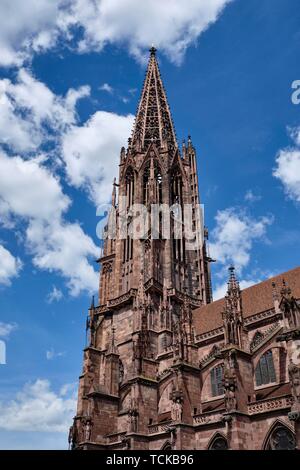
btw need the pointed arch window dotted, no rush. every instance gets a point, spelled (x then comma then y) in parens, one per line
(281, 438)
(158, 184)
(219, 443)
(177, 216)
(129, 192)
(216, 378)
(265, 371)
(166, 446)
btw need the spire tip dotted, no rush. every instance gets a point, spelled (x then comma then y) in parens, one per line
(152, 51)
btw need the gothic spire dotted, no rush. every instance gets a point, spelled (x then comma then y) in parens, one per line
(232, 314)
(233, 284)
(153, 120)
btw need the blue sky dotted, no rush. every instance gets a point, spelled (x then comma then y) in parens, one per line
(70, 79)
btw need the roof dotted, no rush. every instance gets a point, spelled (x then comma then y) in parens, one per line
(255, 299)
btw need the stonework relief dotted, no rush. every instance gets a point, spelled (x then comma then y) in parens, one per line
(294, 376)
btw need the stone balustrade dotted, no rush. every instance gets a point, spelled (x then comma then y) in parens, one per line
(269, 405)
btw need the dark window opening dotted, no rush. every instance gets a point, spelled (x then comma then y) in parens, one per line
(265, 371)
(219, 443)
(281, 439)
(216, 376)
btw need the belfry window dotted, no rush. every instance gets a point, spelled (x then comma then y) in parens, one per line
(216, 377)
(127, 249)
(156, 186)
(265, 371)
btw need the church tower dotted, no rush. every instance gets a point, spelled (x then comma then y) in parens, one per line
(154, 273)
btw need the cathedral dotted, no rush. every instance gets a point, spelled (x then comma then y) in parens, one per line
(165, 367)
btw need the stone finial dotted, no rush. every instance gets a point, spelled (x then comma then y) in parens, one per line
(152, 50)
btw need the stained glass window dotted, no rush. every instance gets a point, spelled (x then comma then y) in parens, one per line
(216, 377)
(281, 439)
(265, 371)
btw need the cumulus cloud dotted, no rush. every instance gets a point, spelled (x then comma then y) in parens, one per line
(28, 106)
(23, 183)
(288, 167)
(26, 27)
(91, 153)
(30, 191)
(170, 24)
(31, 27)
(234, 234)
(10, 267)
(38, 408)
(63, 247)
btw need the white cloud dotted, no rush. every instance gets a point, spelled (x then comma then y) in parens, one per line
(7, 328)
(55, 295)
(234, 234)
(51, 354)
(171, 25)
(26, 26)
(250, 196)
(63, 247)
(28, 105)
(106, 87)
(29, 191)
(9, 267)
(288, 167)
(30, 27)
(38, 408)
(91, 153)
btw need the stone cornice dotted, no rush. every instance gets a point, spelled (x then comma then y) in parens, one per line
(185, 366)
(103, 394)
(143, 380)
(106, 258)
(210, 335)
(122, 299)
